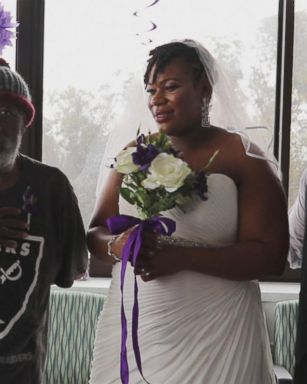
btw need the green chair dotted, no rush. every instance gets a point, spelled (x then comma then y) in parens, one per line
(286, 314)
(72, 323)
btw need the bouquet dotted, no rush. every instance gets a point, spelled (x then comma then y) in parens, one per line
(155, 179)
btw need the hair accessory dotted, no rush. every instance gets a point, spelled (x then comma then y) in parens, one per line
(205, 119)
(13, 86)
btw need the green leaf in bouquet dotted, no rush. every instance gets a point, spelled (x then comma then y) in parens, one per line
(144, 213)
(128, 195)
(129, 183)
(163, 204)
(211, 159)
(164, 142)
(150, 138)
(131, 186)
(143, 198)
(134, 180)
(139, 199)
(186, 191)
(138, 177)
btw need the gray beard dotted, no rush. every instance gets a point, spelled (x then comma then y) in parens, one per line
(9, 149)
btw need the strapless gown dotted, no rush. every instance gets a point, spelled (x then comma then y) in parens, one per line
(193, 328)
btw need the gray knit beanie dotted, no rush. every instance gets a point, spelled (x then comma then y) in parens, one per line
(13, 86)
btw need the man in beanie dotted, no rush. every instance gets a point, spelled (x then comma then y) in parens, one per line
(42, 239)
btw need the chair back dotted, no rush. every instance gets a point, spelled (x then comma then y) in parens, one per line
(286, 315)
(72, 324)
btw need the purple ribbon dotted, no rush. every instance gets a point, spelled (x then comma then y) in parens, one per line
(118, 224)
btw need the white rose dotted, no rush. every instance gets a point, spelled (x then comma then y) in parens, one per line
(167, 171)
(124, 162)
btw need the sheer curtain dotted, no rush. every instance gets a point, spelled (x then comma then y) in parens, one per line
(92, 48)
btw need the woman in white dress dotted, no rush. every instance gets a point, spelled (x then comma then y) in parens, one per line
(201, 320)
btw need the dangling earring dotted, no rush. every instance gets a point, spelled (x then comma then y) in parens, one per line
(205, 120)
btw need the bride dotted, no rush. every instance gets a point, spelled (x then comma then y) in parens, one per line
(200, 320)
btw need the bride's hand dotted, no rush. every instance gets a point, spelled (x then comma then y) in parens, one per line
(119, 243)
(157, 259)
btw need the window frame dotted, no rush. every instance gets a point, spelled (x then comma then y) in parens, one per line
(283, 99)
(30, 63)
(283, 104)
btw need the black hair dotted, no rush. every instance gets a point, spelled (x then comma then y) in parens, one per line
(161, 56)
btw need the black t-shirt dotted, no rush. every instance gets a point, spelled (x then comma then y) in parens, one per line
(53, 253)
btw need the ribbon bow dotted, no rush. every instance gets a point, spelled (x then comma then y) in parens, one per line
(116, 225)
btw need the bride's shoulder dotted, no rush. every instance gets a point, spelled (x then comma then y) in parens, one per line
(236, 143)
(238, 156)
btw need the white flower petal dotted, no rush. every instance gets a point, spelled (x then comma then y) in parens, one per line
(149, 183)
(124, 162)
(168, 171)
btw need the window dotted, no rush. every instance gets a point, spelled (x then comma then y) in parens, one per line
(298, 158)
(90, 49)
(88, 59)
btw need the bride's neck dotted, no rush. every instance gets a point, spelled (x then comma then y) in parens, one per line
(189, 141)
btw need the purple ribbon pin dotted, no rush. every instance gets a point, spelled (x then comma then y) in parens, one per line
(117, 225)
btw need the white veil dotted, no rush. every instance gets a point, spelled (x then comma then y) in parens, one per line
(226, 111)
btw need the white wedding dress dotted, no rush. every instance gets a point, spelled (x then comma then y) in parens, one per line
(193, 328)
